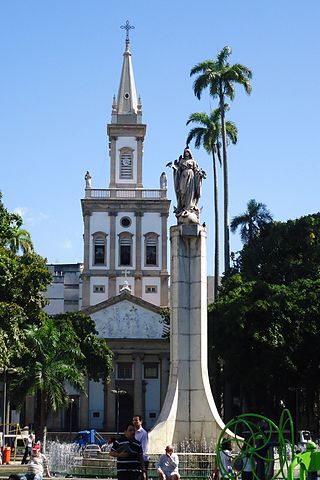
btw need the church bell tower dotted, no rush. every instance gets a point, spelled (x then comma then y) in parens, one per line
(125, 225)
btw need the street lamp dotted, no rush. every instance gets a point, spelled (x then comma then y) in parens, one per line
(118, 392)
(296, 390)
(71, 401)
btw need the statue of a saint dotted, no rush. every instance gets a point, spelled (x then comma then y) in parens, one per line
(87, 178)
(187, 178)
(163, 180)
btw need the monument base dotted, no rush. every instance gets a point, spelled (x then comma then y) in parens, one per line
(189, 410)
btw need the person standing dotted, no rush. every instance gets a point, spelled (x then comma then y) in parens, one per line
(225, 455)
(168, 465)
(128, 452)
(28, 449)
(142, 436)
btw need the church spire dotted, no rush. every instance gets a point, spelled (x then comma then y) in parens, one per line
(127, 103)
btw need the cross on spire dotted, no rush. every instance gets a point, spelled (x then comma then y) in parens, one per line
(127, 27)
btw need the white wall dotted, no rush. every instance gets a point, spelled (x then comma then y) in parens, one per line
(96, 405)
(98, 297)
(151, 297)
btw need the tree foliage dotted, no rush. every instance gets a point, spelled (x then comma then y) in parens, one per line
(266, 320)
(96, 360)
(221, 78)
(208, 133)
(47, 353)
(23, 279)
(252, 221)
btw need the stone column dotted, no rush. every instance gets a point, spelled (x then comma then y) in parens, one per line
(110, 402)
(112, 286)
(139, 160)
(113, 160)
(86, 260)
(164, 268)
(138, 259)
(137, 394)
(189, 410)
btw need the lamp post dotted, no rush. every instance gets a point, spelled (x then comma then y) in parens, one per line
(71, 402)
(118, 392)
(296, 390)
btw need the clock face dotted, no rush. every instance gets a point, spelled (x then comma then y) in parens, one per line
(126, 162)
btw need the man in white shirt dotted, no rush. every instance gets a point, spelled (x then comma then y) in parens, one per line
(168, 465)
(142, 436)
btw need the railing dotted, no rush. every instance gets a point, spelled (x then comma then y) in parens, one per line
(191, 465)
(136, 193)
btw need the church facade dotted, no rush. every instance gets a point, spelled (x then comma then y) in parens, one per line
(123, 280)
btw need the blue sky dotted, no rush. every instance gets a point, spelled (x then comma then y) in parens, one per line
(60, 66)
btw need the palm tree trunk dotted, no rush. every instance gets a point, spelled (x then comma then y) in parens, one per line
(42, 414)
(216, 226)
(225, 188)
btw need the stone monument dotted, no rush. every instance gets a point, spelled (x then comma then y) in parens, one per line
(189, 410)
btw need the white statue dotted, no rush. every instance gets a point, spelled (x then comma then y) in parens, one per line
(87, 178)
(187, 178)
(163, 180)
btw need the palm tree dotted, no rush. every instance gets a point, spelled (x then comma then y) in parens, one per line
(53, 359)
(20, 239)
(208, 134)
(251, 221)
(221, 78)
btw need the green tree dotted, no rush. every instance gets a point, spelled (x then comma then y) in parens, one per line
(208, 134)
(20, 239)
(96, 360)
(221, 77)
(283, 252)
(12, 335)
(266, 319)
(23, 279)
(51, 360)
(251, 221)
(262, 332)
(65, 348)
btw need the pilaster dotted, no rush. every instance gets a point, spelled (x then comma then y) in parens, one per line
(110, 418)
(164, 254)
(138, 394)
(86, 260)
(139, 161)
(113, 159)
(139, 260)
(112, 286)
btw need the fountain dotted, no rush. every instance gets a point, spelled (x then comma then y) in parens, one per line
(65, 460)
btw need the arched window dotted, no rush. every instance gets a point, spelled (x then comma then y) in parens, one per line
(126, 163)
(125, 248)
(99, 256)
(151, 241)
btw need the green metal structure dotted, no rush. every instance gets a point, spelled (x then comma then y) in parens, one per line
(267, 447)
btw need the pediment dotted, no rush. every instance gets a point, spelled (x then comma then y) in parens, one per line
(126, 316)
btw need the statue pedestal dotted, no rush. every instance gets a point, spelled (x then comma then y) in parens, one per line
(189, 411)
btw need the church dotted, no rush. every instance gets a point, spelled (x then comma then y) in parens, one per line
(122, 283)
